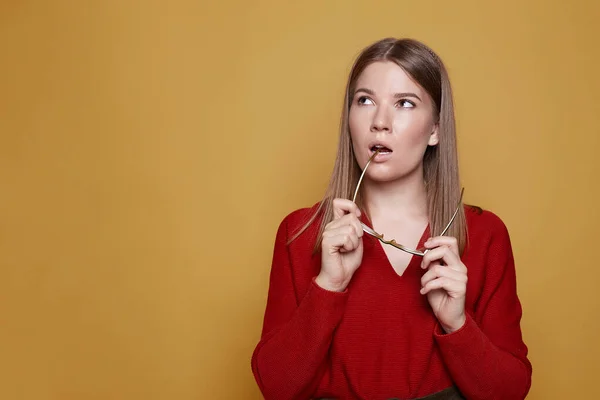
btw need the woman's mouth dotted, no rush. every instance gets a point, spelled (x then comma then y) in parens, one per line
(381, 149)
(383, 152)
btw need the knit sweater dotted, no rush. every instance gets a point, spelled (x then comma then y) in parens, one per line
(379, 339)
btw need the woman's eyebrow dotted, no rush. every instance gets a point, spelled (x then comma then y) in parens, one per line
(396, 95)
(367, 91)
(407, 94)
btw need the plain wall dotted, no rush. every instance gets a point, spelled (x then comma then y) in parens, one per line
(149, 150)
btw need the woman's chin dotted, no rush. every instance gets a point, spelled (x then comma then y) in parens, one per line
(385, 173)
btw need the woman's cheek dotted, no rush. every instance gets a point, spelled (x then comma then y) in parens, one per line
(412, 128)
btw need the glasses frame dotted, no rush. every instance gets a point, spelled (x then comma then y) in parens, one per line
(392, 242)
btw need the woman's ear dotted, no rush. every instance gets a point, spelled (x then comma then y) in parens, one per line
(434, 138)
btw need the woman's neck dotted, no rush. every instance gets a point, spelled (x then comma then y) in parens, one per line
(399, 199)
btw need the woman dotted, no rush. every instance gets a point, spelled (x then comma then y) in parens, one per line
(350, 316)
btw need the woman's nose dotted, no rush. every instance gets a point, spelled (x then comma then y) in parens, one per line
(381, 121)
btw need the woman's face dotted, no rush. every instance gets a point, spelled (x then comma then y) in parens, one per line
(391, 112)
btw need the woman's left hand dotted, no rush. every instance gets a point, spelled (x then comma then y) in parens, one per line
(445, 282)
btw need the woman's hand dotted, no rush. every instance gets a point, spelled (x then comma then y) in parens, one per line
(445, 282)
(341, 248)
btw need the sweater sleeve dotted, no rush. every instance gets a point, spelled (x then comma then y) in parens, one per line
(291, 356)
(487, 358)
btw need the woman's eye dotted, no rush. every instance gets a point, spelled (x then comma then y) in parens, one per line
(406, 103)
(363, 100)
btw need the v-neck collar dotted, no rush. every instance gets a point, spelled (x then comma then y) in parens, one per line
(377, 247)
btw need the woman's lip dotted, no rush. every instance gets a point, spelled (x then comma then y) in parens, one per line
(381, 156)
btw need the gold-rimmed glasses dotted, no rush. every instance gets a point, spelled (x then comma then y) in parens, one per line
(379, 236)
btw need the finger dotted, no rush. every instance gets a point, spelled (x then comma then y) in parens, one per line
(342, 207)
(341, 230)
(346, 220)
(451, 286)
(438, 241)
(352, 243)
(444, 255)
(440, 271)
(346, 243)
(343, 238)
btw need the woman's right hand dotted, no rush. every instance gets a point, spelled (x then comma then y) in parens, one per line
(341, 248)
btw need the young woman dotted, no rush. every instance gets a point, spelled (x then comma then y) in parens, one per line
(360, 316)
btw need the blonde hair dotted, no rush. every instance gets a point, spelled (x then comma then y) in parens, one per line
(440, 162)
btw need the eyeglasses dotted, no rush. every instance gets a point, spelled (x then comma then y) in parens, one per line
(379, 236)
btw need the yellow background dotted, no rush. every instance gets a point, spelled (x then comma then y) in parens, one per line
(148, 151)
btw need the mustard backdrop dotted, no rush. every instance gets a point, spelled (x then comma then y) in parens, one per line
(148, 151)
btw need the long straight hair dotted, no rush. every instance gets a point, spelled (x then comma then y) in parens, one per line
(440, 162)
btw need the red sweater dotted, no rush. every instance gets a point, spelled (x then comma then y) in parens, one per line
(379, 339)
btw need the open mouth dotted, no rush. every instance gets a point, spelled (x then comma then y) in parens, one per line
(382, 149)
